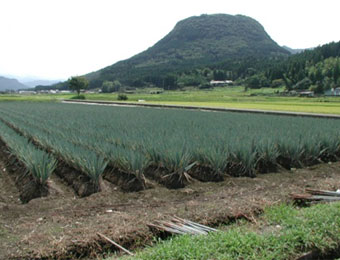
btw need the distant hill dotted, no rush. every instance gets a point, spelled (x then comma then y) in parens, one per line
(10, 84)
(194, 42)
(295, 51)
(40, 82)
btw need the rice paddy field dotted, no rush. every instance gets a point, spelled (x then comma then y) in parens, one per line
(135, 151)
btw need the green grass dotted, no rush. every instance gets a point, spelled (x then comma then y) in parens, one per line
(37, 97)
(235, 97)
(228, 97)
(283, 232)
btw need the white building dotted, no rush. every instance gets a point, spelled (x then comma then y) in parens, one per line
(333, 92)
(221, 82)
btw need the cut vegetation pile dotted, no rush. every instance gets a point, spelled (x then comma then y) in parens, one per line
(127, 145)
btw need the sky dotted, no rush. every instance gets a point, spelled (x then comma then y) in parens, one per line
(57, 39)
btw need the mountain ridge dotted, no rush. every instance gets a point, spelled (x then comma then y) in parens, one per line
(296, 51)
(10, 84)
(40, 82)
(195, 41)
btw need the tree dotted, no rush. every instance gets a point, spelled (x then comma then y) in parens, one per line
(288, 82)
(257, 81)
(219, 75)
(117, 85)
(107, 86)
(336, 71)
(253, 82)
(276, 83)
(318, 74)
(78, 83)
(170, 82)
(303, 84)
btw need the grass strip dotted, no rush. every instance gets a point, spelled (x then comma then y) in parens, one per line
(225, 97)
(282, 232)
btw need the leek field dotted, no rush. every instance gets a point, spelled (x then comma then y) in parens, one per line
(131, 145)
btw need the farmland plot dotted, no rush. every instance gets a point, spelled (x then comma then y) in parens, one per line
(36, 165)
(131, 146)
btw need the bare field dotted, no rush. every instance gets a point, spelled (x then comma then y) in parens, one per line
(63, 226)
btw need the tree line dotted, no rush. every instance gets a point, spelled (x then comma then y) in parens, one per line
(317, 69)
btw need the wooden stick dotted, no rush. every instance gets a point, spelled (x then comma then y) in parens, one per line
(326, 198)
(183, 228)
(114, 243)
(309, 197)
(193, 229)
(323, 192)
(196, 224)
(171, 230)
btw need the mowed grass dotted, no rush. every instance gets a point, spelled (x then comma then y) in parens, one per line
(235, 97)
(281, 105)
(282, 232)
(227, 97)
(34, 97)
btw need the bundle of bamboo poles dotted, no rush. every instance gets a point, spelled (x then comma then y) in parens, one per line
(312, 195)
(181, 226)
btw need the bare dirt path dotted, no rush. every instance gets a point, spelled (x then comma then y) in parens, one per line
(63, 226)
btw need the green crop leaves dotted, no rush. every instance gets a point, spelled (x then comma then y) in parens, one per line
(132, 139)
(40, 164)
(37, 162)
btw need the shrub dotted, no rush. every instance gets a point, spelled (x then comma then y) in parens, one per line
(122, 97)
(78, 97)
(257, 81)
(276, 83)
(205, 86)
(303, 84)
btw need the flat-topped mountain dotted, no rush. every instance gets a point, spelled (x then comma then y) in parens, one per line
(196, 41)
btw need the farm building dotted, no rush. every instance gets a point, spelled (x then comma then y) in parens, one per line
(333, 92)
(220, 82)
(27, 92)
(306, 94)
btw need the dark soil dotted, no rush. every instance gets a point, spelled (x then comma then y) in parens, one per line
(266, 167)
(64, 226)
(174, 180)
(82, 184)
(31, 189)
(326, 157)
(238, 170)
(318, 255)
(205, 174)
(287, 163)
(126, 181)
(27, 186)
